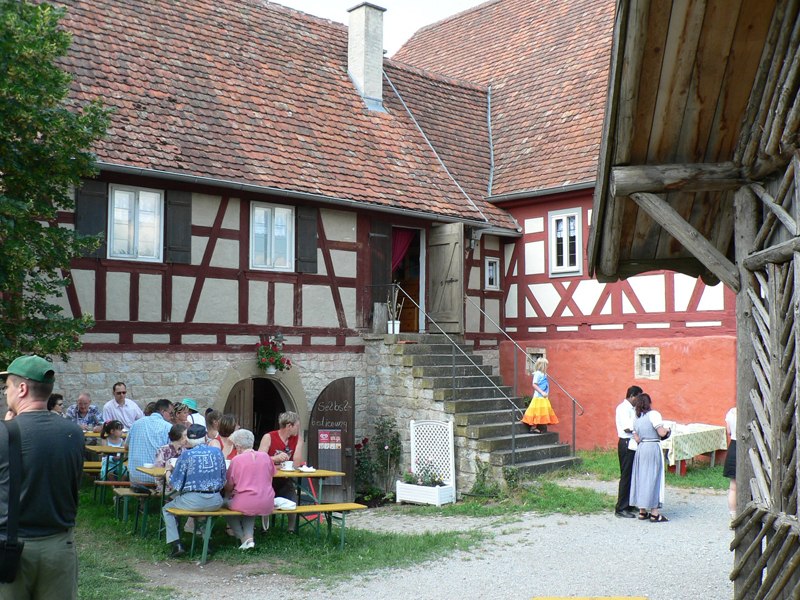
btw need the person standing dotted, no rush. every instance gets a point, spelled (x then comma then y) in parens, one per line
(85, 414)
(52, 465)
(647, 480)
(121, 408)
(540, 412)
(626, 451)
(144, 439)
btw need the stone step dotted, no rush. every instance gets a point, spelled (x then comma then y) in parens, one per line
(489, 417)
(492, 430)
(540, 467)
(446, 349)
(439, 360)
(523, 439)
(479, 393)
(480, 405)
(470, 381)
(426, 338)
(531, 454)
(438, 371)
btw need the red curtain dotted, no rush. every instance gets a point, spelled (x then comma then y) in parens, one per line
(401, 241)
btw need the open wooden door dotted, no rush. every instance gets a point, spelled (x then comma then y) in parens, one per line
(446, 277)
(240, 403)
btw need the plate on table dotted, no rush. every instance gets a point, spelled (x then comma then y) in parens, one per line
(287, 470)
(307, 469)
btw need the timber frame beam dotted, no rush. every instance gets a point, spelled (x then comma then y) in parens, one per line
(662, 213)
(658, 179)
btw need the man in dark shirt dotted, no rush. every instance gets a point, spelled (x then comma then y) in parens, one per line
(52, 462)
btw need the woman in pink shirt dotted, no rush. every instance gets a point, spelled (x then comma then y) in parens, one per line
(249, 486)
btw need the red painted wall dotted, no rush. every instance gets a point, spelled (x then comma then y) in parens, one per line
(697, 381)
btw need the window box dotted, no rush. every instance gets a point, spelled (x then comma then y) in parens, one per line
(425, 494)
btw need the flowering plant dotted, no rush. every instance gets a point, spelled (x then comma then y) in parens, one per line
(425, 474)
(271, 355)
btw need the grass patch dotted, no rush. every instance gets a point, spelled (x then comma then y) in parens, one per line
(604, 465)
(107, 552)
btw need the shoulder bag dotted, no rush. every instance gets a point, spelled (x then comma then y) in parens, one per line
(11, 547)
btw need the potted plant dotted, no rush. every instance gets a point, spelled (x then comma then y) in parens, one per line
(270, 357)
(394, 306)
(424, 485)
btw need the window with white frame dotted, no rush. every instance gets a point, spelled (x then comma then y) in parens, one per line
(647, 363)
(492, 280)
(566, 242)
(271, 237)
(135, 223)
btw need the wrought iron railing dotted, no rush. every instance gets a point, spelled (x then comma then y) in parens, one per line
(575, 404)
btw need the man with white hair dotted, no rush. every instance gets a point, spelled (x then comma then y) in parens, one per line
(198, 477)
(85, 414)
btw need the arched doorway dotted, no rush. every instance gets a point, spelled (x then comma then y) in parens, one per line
(257, 402)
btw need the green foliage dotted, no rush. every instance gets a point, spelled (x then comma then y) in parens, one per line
(512, 478)
(44, 152)
(483, 486)
(377, 460)
(425, 474)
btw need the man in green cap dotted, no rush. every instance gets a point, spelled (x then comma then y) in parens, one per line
(52, 463)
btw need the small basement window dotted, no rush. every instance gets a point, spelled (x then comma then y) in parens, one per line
(534, 354)
(492, 273)
(647, 364)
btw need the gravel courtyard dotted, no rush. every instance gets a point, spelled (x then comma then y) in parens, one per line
(535, 555)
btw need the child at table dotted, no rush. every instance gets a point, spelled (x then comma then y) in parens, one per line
(113, 467)
(165, 454)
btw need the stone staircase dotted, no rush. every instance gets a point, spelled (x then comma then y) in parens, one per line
(482, 415)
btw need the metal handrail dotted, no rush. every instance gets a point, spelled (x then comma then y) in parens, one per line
(516, 411)
(575, 404)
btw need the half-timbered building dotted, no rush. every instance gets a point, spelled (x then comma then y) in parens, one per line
(672, 334)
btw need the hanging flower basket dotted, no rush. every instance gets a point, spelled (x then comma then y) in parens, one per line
(270, 357)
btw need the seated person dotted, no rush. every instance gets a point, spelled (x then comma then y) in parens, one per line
(85, 414)
(146, 436)
(55, 404)
(113, 466)
(285, 444)
(249, 487)
(198, 477)
(225, 427)
(177, 442)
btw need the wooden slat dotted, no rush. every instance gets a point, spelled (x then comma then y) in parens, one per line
(768, 201)
(688, 177)
(787, 575)
(761, 417)
(760, 479)
(763, 454)
(786, 86)
(780, 561)
(761, 355)
(712, 258)
(755, 545)
(772, 546)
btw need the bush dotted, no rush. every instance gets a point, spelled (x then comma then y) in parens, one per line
(377, 460)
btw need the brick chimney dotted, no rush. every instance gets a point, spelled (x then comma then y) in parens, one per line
(365, 53)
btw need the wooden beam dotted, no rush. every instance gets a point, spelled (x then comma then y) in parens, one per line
(780, 253)
(697, 177)
(700, 247)
(783, 216)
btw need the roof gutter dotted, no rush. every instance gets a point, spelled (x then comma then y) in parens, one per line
(573, 187)
(262, 189)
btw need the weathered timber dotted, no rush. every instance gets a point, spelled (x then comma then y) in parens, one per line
(668, 178)
(784, 217)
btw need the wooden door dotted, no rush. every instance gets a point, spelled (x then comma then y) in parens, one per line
(240, 403)
(331, 437)
(446, 277)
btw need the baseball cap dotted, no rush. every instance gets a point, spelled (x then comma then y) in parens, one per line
(33, 367)
(196, 432)
(190, 403)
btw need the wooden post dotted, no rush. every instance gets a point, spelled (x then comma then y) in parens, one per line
(746, 226)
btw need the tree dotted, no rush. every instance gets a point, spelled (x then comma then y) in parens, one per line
(45, 150)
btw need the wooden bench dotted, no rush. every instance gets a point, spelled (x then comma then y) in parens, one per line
(92, 466)
(327, 509)
(102, 484)
(122, 495)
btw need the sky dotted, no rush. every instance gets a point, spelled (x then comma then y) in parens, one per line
(401, 19)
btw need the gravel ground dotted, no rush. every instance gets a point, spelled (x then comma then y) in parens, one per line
(534, 555)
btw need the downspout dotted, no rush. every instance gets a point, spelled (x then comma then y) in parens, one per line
(491, 141)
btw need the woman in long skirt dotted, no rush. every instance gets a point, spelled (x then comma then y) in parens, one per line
(540, 413)
(647, 481)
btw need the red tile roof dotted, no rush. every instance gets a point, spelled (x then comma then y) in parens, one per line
(250, 92)
(547, 63)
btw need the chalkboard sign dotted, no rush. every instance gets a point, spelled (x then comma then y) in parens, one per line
(331, 437)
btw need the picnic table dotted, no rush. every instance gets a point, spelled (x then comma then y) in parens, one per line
(688, 441)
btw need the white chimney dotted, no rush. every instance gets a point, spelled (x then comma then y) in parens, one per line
(365, 52)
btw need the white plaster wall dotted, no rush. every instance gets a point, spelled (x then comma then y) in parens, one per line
(226, 254)
(318, 308)
(339, 225)
(204, 209)
(198, 248)
(84, 286)
(181, 292)
(118, 290)
(257, 307)
(534, 258)
(150, 297)
(231, 218)
(344, 263)
(649, 289)
(491, 242)
(219, 302)
(284, 304)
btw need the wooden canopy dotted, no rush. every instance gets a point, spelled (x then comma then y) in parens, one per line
(702, 99)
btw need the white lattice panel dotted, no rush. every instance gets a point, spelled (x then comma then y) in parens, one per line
(433, 441)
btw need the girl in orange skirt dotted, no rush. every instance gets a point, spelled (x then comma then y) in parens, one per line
(540, 414)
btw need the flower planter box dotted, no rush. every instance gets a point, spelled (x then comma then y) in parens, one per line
(423, 494)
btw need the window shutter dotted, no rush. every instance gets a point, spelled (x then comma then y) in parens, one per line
(91, 212)
(306, 252)
(178, 227)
